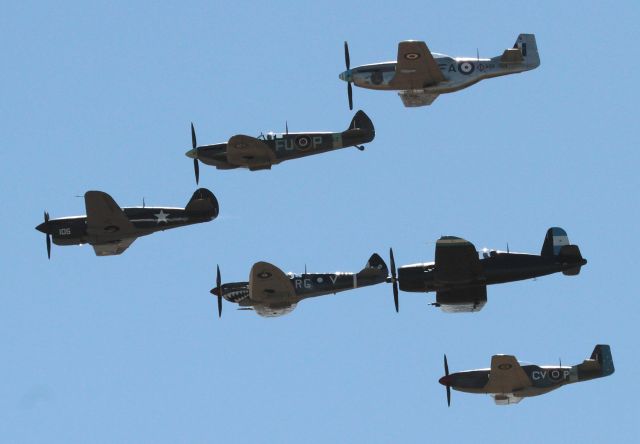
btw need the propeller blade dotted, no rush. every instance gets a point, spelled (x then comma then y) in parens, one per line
(394, 280)
(219, 287)
(446, 366)
(196, 170)
(46, 220)
(446, 372)
(347, 59)
(350, 94)
(194, 144)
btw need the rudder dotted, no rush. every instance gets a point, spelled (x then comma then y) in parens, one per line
(527, 45)
(203, 202)
(602, 354)
(554, 240)
(361, 121)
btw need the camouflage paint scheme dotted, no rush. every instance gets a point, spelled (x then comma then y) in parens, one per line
(460, 278)
(259, 153)
(507, 381)
(271, 292)
(111, 229)
(421, 76)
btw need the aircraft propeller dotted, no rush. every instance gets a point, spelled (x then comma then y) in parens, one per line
(347, 62)
(46, 221)
(194, 144)
(446, 373)
(219, 290)
(394, 279)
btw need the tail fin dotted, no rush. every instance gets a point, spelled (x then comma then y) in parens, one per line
(602, 355)
(375, 266)
(555, 239)
(361, 121)
(527, 45)
(600, 364)
(203, 203)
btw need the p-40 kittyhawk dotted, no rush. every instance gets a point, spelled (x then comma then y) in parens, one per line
(460, 278)
(111, 229)
(420, 76)
(271, 292)
(508, 381)
(260, 153)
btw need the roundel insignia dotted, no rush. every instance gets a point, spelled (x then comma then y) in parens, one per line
(555, 374)
(303, 142)
(466, 68)
(505, 366)
(264, 275)
(412, 56)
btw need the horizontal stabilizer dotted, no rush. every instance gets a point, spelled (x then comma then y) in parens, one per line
(512, 55)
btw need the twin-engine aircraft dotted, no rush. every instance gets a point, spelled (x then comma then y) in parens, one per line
(271, 292)
(460, 278)
(260, 153)
(421, 76)
(111, 229)
(508, 382)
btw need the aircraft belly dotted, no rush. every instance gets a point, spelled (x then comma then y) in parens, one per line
(501, 276)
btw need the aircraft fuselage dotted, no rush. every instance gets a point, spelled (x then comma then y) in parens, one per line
(459, 73)
(288, 146)
(146, 220)
(497, 268)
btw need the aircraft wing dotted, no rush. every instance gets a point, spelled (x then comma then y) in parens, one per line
(268, 284)
(113, 248)
(416, 67)
(462, 300)
(249, 152)
(457, 261)
(104, 216)
(506, 375)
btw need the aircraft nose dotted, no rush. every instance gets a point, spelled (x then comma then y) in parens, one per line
(445, 380)
(345, 76)
(43, 228)
(193, 153)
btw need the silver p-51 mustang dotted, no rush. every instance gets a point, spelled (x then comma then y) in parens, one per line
(420, 76)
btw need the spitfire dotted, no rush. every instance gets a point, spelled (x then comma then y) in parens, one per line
(111, 229)
(271, 292)
(260, 153)
(460, 278)
(508, 382)
(421, 76)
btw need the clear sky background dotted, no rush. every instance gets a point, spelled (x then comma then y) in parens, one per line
(99, 95)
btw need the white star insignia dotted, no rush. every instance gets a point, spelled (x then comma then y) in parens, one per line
(162, 217)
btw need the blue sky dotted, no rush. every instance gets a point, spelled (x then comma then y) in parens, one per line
(129, 348)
